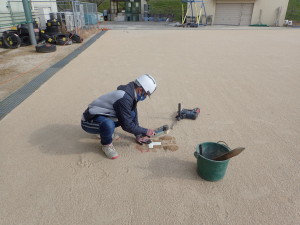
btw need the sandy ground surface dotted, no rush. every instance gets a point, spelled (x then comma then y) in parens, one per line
(21, 65)
(246, 83)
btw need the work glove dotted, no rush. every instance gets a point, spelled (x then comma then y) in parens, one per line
(143, 140)
(150, 133)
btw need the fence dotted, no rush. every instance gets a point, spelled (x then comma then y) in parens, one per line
(73, 14)
(13, 15)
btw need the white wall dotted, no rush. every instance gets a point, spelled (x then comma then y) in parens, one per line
(43, 4)
(268, 9)
(3, 9)
(3, 6)
(41, 10)
(17, 6)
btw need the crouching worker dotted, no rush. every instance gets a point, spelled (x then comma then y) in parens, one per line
(119, 108)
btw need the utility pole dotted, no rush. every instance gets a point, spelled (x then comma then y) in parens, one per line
(28, 17)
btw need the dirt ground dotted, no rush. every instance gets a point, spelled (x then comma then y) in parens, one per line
(246, 83)
(19, 66)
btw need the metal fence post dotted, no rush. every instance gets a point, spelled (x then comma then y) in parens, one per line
(28, 16)
(74, 8)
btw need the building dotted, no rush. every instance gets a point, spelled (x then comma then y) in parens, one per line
(243, 12)
(12, 12)
(127, 10)
(41, 10)
(72, 14)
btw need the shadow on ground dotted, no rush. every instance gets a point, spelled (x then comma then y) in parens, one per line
(64, 139)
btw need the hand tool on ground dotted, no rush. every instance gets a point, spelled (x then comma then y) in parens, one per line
(161, 130)
(230, 154)
(187, 113)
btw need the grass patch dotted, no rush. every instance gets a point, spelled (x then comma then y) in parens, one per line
(166, 7)
(104, 6)
(293, 11)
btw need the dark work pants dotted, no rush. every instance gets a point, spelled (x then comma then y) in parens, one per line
(104, 126)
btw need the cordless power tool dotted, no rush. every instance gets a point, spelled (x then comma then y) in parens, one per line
(162, 130)
(187, 113)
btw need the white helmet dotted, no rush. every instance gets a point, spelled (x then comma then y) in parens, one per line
(147, 82)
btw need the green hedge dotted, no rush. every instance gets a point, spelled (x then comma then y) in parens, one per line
(293, 12)
(104, 6)
(166, 7)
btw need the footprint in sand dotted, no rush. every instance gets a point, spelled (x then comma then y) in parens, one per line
(83, 162)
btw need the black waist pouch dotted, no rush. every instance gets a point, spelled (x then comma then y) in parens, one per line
(87, 116)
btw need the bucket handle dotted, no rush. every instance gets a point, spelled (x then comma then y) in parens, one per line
(223, 142)
(198, 153)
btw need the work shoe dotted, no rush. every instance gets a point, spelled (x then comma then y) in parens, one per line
(110, 151)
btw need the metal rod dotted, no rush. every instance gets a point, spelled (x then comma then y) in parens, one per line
(74, 16)
(29, 20)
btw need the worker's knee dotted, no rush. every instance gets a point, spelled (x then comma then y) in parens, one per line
(108, 126)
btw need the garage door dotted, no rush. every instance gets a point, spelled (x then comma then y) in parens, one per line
(238, 14)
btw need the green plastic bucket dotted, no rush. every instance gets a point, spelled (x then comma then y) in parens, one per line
(207, 168)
